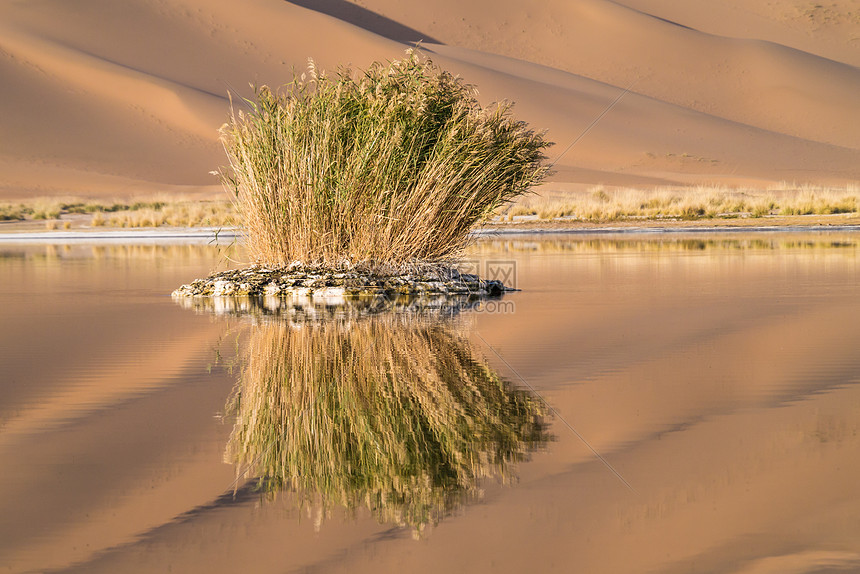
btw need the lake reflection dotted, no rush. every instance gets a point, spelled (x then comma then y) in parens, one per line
(717, 373)
(395, 412)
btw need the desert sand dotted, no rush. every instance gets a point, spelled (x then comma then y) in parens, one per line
(107, 99)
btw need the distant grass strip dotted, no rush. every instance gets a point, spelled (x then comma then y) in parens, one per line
(599, 205)
(385, 167)
(606, 205)
(175, 211)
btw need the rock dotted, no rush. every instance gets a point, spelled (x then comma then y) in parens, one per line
(297, 282)
(222, 288)
(494, 288)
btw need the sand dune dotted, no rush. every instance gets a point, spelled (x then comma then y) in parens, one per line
(102, 98)
(761, 83)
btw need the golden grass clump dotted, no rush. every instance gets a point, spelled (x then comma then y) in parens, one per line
(163, 209)
(822, 201)
(688, 203)
(385, 167)
(390, 413)
(182, 213)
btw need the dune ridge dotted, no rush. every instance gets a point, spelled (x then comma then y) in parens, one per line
(107, 99)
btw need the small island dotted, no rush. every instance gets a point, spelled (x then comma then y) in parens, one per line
(365, 184)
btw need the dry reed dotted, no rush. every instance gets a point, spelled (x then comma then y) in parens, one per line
(390, 166)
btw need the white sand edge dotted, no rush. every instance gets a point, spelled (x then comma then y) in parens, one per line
(220, 236)
(227, 236)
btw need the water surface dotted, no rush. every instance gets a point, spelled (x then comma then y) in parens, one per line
(717, 378)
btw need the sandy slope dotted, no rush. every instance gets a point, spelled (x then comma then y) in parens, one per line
(105, 98)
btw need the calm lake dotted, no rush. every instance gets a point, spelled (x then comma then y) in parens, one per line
(646, 403)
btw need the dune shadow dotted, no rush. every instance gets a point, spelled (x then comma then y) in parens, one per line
(366, 19)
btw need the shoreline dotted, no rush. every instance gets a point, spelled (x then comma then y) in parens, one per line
(668, 230)
(11, 233)
(136, 236)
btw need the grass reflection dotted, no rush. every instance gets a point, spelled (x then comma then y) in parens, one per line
(670, 243)
(390, 412)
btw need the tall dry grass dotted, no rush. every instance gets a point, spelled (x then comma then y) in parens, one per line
(701, 202)
(388, 412)
(388, 166)
(175, 214)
